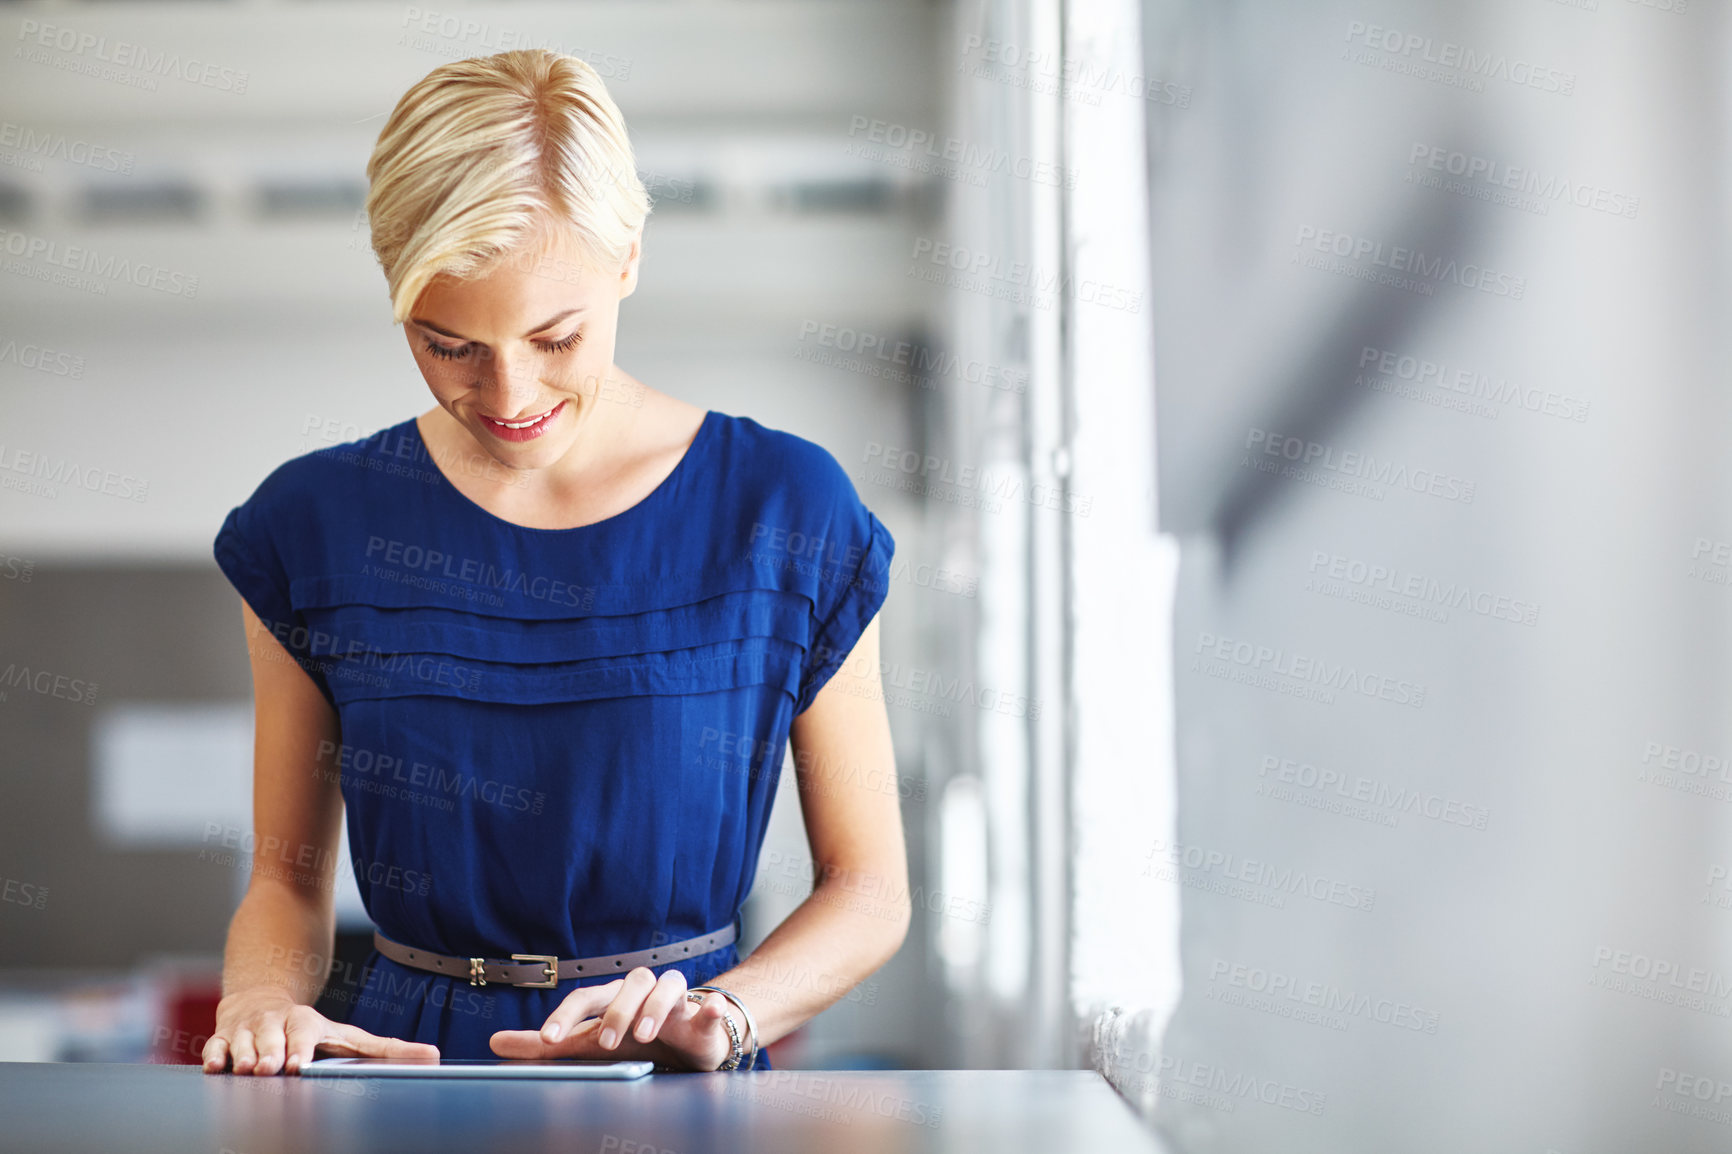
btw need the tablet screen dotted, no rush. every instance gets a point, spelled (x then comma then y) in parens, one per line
(478, 1068)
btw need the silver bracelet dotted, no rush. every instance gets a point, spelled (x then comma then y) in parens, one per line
(733, 1059)
(752, 1026)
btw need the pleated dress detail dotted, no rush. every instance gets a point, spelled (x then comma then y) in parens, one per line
(555, 741)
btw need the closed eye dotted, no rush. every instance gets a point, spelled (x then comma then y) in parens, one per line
(455, 354)
(564, 345)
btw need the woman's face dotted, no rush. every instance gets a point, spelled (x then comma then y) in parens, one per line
(532, 340)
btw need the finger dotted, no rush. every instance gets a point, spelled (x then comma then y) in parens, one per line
(216, 1054)
(702, 1034)
(354, 1042)
(577, 1005)
(709, 1011)
(407, 1050)
(269, 1040)
(669, 992)
(244, 1053)
(579, 1043)
(623, 1010)
(301, 1034)
(522, 1044)
(693, 1021)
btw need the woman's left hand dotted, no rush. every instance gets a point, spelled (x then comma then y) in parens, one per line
(637, 1016)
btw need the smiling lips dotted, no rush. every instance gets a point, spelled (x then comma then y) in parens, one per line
(522, 430)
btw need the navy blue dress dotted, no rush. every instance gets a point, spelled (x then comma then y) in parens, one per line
(555, 741)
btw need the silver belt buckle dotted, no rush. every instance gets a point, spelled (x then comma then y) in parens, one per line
(550, 966)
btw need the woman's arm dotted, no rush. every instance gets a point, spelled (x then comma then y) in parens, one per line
(858, 913)
(281, 937)
(856, 917)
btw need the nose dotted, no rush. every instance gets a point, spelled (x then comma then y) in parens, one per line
(508, 381)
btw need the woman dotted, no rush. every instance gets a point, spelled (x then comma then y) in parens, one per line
(553, 691)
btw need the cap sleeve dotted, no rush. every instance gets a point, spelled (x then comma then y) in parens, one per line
(248, 549)
(852, 583)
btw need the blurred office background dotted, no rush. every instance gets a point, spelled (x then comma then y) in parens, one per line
(1401, 678)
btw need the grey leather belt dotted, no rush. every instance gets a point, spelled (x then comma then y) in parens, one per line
(546, 970)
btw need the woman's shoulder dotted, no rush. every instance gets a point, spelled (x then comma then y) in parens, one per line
(771, 462)
(333, 470)
(798, 512)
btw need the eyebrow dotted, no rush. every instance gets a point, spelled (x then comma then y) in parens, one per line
(542, 327)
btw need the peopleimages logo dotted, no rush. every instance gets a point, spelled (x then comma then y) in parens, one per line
(1665, 972)
(1431, 59)
(1367, 582)
(1230, 867)
(1709, 560)
(36, 146)
(1306, 457)
(41, 359)
(1680, 1092)
(979, 271)
(78, 259)
(1410, 262)
(1326, 996)
(99, 57)
(1376, 799)
(1263, 661)
(968, 158)
(1499, 176)
(50, 470)
(1381, 368)
(1173, 1075)
(924, 364)
(471, 571)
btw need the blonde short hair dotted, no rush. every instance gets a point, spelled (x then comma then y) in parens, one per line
(480, 153)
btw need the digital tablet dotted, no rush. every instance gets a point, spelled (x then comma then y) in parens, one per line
(477, 1068)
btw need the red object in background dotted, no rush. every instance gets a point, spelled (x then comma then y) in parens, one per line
(786, 1051)
(189, 1005)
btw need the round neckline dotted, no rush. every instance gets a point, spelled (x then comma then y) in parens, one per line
(662, 486)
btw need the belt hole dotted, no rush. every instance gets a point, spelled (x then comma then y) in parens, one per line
(580, 969)
(618, 964)
(685, 949)
(653, 957)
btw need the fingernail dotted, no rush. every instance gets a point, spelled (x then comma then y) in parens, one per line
(555, 1032)
(645, 1028)
(608, 1038)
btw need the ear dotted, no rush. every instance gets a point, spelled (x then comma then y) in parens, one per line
(628, 272)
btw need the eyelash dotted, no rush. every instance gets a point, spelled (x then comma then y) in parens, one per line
(562, 346)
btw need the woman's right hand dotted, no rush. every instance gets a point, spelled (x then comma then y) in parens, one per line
(265, 1031)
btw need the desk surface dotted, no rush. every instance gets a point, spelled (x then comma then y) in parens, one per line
(140, 1108)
